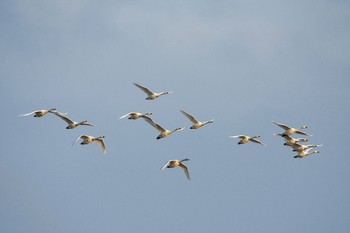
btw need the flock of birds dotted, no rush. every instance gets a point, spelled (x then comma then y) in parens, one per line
(301, 150)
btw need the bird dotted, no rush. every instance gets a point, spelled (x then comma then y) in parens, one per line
(244, 139)
(71, 124)
(151, 95)
(41, 113)
(289, 140)
(196, 124)
(163, 132)
(89, 139)
(135, 115)
(176, 163)
(304, 153)
(298, 147)
(290, 130)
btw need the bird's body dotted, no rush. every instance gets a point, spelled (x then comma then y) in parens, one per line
(135, 115)
(304, 153)
(196, 124)
(40, 113)
(163, 132)
(245, 139)
(71, 124)
(89, 139)
(150, 94)
(290, 130)
(177, 163)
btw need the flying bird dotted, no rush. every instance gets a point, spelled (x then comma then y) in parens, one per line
(298, 147)
(135, 115)
(196, 124)
(177, 163)
(290, 130)
(163, 132)
(71, 124)
(245, 139)
(41, 113)
(151, 95)
(289, 140)
(304, 153)
(89, 139)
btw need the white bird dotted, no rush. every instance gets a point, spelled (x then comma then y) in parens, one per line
(135, 115)
(196, 124)
(289, 140)
(163, 132)
(290, 130)
(41, 113)
(89, 139)
(71, 124)
(304, 153)
(298, 147)
(177, 163)
(244, 139)
(151, 95)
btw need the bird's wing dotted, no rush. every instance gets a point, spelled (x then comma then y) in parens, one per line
(160, 128)
(155, 125)
(185, 170)
(165, 165)
(61, 113)
(295, 146)
(81, 136)
(287, 138)
(237, 136)
(190, 117)
(257, 141)
(63, 117)
(308, 149)
(101, 142)
(303, 133)
(125, 115)
(149, 120)
(278, 134)
(87, 123)
(144, 89)
(283, 126)
(288, 143)
(27, 114)
(84, 137)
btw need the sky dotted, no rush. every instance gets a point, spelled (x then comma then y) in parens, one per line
(242, 63)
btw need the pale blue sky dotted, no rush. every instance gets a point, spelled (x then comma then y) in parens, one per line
(243, 63)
